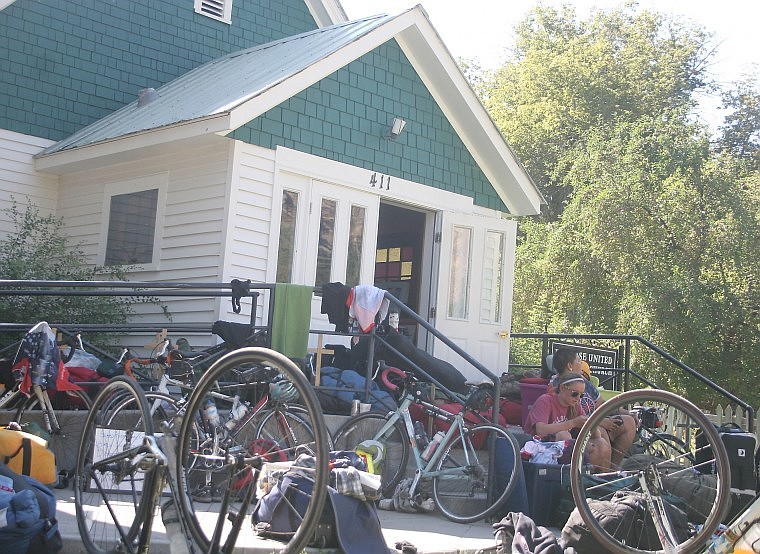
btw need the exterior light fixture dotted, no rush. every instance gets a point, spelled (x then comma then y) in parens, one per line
(397, 127)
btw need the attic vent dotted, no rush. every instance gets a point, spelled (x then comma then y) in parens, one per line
(215, 9)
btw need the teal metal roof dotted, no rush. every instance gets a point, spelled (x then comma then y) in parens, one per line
(219, 86)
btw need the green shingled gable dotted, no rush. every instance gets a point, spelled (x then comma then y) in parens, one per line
(66, 64)
(346, 116)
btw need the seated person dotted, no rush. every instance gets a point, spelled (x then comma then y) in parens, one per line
(621, 429)
(559, 417)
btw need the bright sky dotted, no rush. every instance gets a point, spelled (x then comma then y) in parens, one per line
(483, 29)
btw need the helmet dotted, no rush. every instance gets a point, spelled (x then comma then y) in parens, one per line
(282, 392)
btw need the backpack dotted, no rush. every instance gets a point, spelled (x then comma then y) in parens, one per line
(31, 525)
(625, 511)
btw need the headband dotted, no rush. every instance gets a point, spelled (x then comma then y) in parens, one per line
(573, 380)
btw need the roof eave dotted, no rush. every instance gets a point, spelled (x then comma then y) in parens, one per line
(82, 157)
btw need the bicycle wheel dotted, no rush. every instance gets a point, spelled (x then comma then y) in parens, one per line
(108, 480)
(464, 488)
(679, 507)
(67, 410)
(216, 461)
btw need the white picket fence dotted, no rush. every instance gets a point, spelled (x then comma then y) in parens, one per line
(733, 414)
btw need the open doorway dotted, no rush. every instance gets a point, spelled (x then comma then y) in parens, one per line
(399, 260)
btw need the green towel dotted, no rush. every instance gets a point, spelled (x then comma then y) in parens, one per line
(291, 319)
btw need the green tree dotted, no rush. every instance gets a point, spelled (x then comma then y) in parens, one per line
(568, 76)
(650, 229)
(39, 249)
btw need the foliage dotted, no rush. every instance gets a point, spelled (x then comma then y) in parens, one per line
(651, 229)
(40, 250)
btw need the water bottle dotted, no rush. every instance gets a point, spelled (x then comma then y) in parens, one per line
(431, 448)
(237, 412)
(420, 436)
(210, 413)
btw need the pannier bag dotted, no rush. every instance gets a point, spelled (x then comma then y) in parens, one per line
(28, 454)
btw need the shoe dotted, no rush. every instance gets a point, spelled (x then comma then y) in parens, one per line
(206, 495)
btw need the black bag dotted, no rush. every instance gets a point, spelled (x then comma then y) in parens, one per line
(625, 511)
(279, 512)
(741, 457)
(346, 522)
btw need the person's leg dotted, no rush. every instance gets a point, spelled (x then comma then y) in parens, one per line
(598, 453)
(621, 439)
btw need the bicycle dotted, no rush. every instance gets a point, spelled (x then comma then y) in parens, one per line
(464, 486)
(123, 467)
(658, 481)
(55, 405)
(651, 440)
(260, 405)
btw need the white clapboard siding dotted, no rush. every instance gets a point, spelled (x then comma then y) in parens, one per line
(20, 181)
(191, 227)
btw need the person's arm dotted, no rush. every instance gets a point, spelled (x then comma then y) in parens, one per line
(541, 413)
(543, 429)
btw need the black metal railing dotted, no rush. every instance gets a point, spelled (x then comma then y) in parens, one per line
(625, 375)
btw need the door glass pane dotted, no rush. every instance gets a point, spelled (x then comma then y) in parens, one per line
(286, 251)
(459, 281)
(355, 241)
(326, 241)
(490, 300)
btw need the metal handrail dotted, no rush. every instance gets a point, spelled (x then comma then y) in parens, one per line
(628, 372)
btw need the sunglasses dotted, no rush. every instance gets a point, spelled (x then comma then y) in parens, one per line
(575, 393)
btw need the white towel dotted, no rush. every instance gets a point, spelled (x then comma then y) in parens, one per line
(368, 301)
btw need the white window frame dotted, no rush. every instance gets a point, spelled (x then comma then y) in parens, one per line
(210, 8)
(158, 181)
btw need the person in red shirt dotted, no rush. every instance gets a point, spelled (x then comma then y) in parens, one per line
(558, 417)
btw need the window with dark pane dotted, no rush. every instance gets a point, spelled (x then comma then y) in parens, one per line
(286, 249)
(355, 241)
(326, 242)
(131, 228)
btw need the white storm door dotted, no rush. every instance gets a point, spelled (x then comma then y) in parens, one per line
(342, 235)
(474, 298)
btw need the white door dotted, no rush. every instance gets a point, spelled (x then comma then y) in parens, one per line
(474, 296)
(340, 239)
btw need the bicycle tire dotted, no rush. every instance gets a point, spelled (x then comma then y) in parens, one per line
(68, 407)
(659, 477)
(109, 500)
(465, 490)
(211, 459)
(395, 442)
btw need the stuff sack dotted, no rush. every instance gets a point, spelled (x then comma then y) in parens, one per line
(347, 385)
(29, 455)
(624, 511)
(29, 514)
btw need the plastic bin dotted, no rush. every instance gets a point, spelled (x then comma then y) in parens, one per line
(547, 486)
(529, 393)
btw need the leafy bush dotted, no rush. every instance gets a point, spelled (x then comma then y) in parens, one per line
(40, 250)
